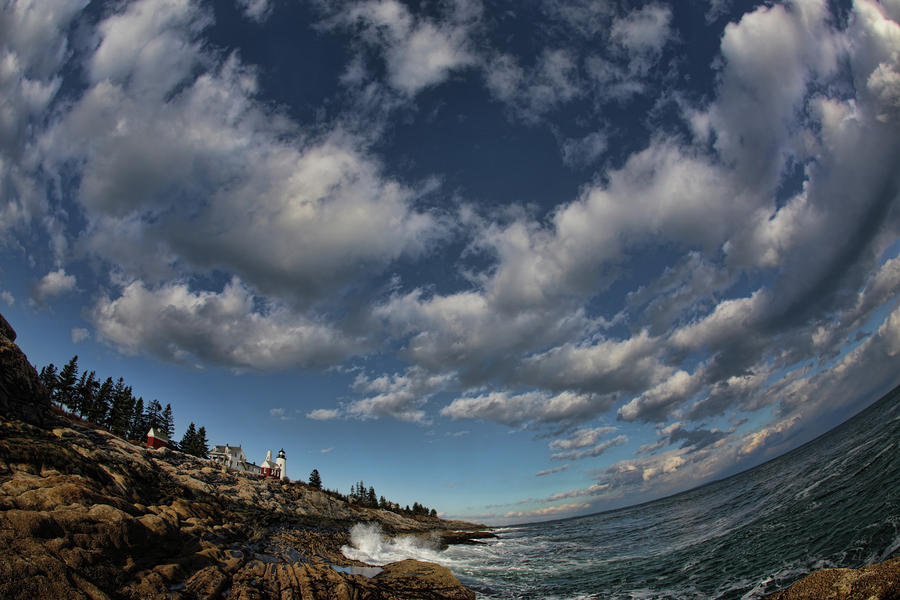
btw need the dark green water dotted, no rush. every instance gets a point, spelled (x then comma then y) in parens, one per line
(834, 502)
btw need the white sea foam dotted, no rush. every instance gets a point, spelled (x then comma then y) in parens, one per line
(370, 545)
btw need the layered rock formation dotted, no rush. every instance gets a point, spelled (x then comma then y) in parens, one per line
(84, 514)
(874, 582)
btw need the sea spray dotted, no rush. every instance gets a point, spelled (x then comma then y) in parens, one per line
(370, 545)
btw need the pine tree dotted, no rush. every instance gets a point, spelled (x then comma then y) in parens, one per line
(50, 378)
(314, 480)
(137, 430)
(168, 423)
(122, 408)
(189, 441)
(371, 498)
(86, 393)
(202, 444)
(102, 402)
(65, 387)
(153, 416)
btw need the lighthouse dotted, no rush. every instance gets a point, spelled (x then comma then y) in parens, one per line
(282, 463)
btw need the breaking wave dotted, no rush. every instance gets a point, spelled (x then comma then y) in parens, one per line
(370, 545)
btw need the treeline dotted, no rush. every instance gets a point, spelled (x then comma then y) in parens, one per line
(112, 405)
(360, 494)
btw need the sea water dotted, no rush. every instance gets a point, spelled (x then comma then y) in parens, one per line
(834, 502)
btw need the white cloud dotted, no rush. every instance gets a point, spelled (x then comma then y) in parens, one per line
(280, 414)
(175, 323)
(326, 450)
(398, 396)
(591, 452)
(592, 490)
(54, 283)
(517, 410)
(418, 52)
(584, 152)
(562, 509)
(256, 10)
(7, 297)
(79, 334)
(581, 438)
(643, 33)
(551, 471)
(323, 414)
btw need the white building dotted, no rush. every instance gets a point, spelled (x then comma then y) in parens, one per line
(277, 469)
(233, 458)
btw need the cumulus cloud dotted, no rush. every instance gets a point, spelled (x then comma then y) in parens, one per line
(79, 334)
(176, 323)
(193, 171)
(548, 511)
(590, 452)
(323, 414)
(581, 438)
(54, 283)
(527, 408)
(281, 414)
(417, 52)
(399, 396)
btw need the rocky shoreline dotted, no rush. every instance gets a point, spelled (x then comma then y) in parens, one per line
(85, 514)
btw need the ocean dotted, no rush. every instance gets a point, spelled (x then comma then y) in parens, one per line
(834, 502)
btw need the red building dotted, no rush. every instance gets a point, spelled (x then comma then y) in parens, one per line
(157, 438)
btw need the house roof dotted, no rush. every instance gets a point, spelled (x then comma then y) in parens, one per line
(157, 434)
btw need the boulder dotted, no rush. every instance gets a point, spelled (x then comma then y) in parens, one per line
(875, 582)
(22, 396)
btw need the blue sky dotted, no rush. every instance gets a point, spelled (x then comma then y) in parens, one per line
(512, 260)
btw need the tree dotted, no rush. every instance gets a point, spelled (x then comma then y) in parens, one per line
(137, 429)
(86, 393)
(371, 498)
(66, 384)
(314, 480)
(50, 378)
(168, 424)
(122, 408)
(202, 443)
(101, 405)
(433, 513)
(189, 440)
(153, 416)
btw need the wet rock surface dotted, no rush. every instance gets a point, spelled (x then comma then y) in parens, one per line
(874, 582)
(84, 514)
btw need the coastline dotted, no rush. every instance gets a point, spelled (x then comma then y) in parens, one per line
(86, 514)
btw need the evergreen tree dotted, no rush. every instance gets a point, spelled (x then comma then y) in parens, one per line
(102, 403)
(371, 498)
(137, 430)
(121, 410)
(65, 387)
(433, 513)
(168, 423)
(50, 378)
(86, 393)
(314, 479)
(382, 502)
(153, 416)
(202, 444)
(189, 441)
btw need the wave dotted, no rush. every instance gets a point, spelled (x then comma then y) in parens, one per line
(370, 545)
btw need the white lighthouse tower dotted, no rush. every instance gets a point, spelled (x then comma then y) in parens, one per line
(282, 463)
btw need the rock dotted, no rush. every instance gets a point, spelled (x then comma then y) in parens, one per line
(85, 514)
(875, 582)
(22, 396)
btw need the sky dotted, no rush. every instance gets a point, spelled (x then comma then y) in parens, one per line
(512, 260)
